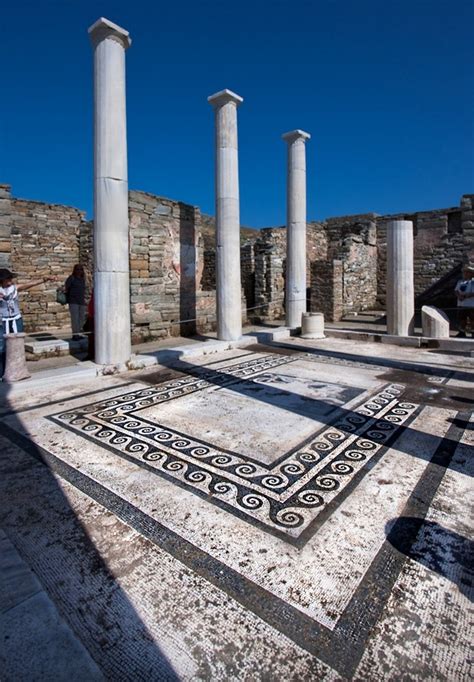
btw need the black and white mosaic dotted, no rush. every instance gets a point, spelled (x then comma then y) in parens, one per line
(285, 496)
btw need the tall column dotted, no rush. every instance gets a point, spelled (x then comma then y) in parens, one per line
(111, 261)
(296, 227)
(400, 281)
(228, 287)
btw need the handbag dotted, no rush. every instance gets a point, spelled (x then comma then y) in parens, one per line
(61, 296)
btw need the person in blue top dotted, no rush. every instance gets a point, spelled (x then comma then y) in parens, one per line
(10, 314)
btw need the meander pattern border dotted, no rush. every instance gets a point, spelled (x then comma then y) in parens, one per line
(285, 498)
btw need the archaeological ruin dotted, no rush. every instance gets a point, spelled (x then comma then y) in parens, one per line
(172, 261)
(161, 268)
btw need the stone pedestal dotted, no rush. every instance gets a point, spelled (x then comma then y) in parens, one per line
(400, 281)
(312, 326)
(435, 323)
(111, 259)
(296, 227)
(228, 287)
(15, 360)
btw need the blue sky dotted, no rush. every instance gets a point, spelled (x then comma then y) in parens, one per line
(384, 87)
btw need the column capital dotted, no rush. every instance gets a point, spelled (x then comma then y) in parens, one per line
(294, 135)
(103, 29)
(223, 97)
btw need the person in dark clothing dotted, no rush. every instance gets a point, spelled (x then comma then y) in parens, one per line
(75, 289)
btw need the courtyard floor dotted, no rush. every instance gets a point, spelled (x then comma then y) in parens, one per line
(296, 511)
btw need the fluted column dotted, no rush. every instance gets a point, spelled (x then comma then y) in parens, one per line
(400, 280)
(228, 287)
(296, 227)
(111, 260)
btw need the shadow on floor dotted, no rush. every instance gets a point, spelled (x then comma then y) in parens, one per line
(419, 444)
(439, 549)
(418, 368)
(45, 530)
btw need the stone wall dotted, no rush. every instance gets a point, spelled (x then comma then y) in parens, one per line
(166, 264)
(439, 246)
(352, 240)
(5, 225)
(467, 224)
(43, 242)
(247, 273)
(172, 261)
(270, 266)
(327, 278)
(442, 239)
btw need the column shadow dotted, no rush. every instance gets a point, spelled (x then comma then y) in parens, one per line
(423, 444)
(46, 531)
(444, 551)
(188, 264)
(418, 368)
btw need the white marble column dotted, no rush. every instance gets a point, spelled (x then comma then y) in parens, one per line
(296, 227)
(400, 280)
(111, 260)
(228, 287)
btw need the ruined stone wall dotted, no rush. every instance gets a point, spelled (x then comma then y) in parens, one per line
(247, 273)
(467, 225)
(439, 245)
(166, 263)
(327, 278)
(270, 254)
(44, 242)
(270, 267)
(352, 240)
(172, 261)
(349, 240)
(5, 226)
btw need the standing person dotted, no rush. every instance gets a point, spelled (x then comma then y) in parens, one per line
(75, 289)
(465, 294)
(10, 315)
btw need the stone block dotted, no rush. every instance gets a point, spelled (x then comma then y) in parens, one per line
(138, 264)
(312, 326)
(435, 323)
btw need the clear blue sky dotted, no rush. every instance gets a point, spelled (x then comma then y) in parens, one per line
(384, 87)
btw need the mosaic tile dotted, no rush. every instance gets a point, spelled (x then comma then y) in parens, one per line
(285, 496)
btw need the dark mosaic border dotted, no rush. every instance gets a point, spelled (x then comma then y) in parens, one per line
(341, 648)
(284, 498)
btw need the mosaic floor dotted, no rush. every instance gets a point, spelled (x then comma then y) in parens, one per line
(285, 481)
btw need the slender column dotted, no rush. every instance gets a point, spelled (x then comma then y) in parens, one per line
(296, 227)
(111, 264)
(400, 281)
(228, 287)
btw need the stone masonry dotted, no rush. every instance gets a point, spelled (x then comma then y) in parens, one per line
(172, 261)
(43, 241)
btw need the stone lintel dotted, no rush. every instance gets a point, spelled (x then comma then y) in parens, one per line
(296, 135)
(223, 96)
(104, 28)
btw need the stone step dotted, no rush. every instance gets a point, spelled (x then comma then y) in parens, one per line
(458, 345)
(51, 344)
